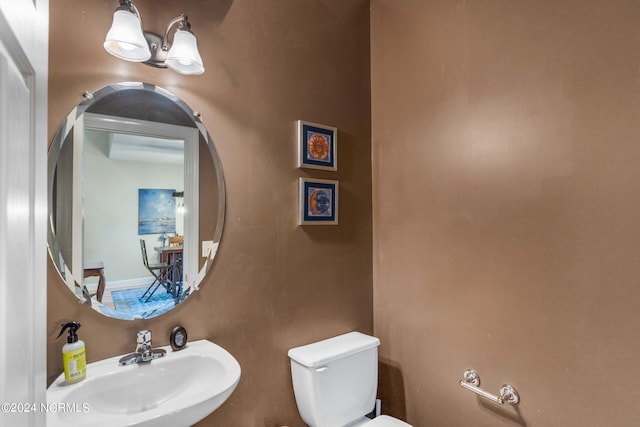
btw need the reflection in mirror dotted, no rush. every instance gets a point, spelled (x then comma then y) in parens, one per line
(136, 201)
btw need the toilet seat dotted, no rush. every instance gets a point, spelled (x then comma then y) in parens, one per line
(386, 421)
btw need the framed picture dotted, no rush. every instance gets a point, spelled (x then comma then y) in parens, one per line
(317, 146)
(156, 211)
(318, 202)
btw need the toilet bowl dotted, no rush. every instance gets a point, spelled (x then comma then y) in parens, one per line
(384, 421)
(335, 382)
(380, 421)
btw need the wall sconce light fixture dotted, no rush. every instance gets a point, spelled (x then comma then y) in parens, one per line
(127, 40)
(179, 196)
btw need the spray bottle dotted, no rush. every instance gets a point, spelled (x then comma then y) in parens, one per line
(74, 356)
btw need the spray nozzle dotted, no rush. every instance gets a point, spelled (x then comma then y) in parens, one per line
(73, 329)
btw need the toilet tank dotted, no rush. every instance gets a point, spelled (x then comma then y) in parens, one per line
(335, 380)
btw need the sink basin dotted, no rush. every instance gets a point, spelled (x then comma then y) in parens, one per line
(177, 390)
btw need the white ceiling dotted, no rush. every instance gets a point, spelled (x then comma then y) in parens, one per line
(141, 148)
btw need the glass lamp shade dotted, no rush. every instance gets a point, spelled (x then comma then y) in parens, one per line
(125, 39)
(183, 55)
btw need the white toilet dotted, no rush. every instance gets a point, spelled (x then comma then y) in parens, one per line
(335, 382)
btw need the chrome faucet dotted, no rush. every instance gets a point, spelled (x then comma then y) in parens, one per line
(144, 352)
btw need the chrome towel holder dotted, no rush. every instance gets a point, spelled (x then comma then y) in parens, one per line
(471, 381)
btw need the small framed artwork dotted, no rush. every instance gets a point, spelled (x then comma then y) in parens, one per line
(318, 202)
(317, 146)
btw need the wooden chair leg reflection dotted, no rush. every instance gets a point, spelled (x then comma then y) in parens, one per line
(96, 269)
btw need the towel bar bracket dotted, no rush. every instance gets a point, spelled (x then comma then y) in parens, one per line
(509, 394)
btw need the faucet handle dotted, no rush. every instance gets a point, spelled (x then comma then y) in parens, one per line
(143, 339)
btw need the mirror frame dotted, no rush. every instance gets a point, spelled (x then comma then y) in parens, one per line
(69, 277)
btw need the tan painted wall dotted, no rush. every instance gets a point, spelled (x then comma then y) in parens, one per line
(506, 168)
(274, 285)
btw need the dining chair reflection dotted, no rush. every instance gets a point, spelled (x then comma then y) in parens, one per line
(160, 271)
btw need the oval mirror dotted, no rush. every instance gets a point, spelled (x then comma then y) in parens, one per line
(136, 201)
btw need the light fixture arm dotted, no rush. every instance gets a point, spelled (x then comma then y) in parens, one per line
(130, 6)
(184, 25)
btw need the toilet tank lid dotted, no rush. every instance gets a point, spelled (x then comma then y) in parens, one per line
(326, 351)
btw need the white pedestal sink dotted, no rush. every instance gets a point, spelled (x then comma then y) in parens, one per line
(177, 390)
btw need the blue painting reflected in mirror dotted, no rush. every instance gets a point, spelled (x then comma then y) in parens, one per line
(156, 211)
